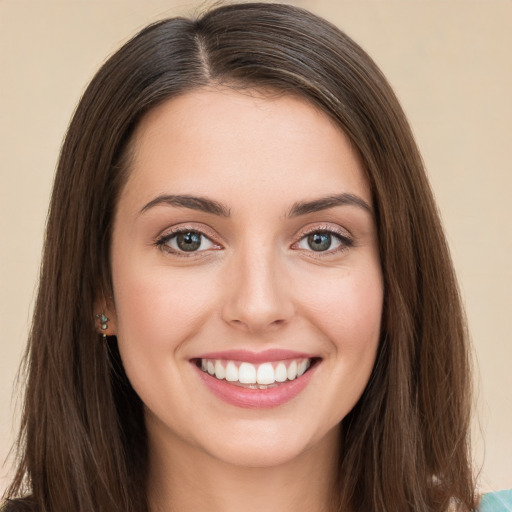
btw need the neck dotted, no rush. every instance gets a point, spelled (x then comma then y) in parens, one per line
(185, 479)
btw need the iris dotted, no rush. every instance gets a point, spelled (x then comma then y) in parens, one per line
(319, 241)
(188, 241)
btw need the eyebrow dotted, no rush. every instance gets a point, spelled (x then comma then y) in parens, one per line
(299, 208)
(324, 203)
(201, 204)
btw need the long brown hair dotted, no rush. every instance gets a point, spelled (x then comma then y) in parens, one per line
(83, 441)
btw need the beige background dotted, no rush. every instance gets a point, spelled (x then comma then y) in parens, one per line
(450, 63)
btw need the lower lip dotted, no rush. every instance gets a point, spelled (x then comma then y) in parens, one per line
(256, 398)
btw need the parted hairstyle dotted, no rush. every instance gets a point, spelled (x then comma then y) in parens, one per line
(82, 444)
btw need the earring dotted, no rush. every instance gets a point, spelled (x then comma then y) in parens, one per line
(103, 321)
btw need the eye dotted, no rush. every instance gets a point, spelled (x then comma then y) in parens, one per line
(323, 241)
(186, 241)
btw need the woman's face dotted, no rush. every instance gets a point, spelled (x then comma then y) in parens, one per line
(247, 282)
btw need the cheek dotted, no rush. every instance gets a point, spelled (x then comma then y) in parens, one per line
(348, 310)
(158, 309)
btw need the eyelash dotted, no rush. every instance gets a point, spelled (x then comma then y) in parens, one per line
(345, 241)
(163, 241)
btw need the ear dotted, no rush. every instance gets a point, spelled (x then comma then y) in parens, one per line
(105, 319)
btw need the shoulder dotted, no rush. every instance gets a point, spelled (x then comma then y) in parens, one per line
(500, 501)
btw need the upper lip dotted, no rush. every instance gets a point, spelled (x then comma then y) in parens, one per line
(256, 357)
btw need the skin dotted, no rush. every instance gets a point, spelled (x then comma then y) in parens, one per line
(255, 284)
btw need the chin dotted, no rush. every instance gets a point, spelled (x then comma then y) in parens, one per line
(268, 445)
(259, 454)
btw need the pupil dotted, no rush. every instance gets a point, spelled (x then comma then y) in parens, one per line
(188, 241)
(319, 241)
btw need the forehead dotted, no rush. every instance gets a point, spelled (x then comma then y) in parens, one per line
(215, 141)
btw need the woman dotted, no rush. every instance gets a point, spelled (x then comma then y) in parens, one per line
(246, 298)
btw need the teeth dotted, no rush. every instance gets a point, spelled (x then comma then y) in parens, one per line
(231, 372)
(256, 376)
(220, 371)
(302, 367)
(281, 372)
(265, 374)
(292, 371)
(247, 374)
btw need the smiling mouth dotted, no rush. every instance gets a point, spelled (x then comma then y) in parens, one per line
(266, 375)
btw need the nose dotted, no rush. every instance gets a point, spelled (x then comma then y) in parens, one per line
(259, 297)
